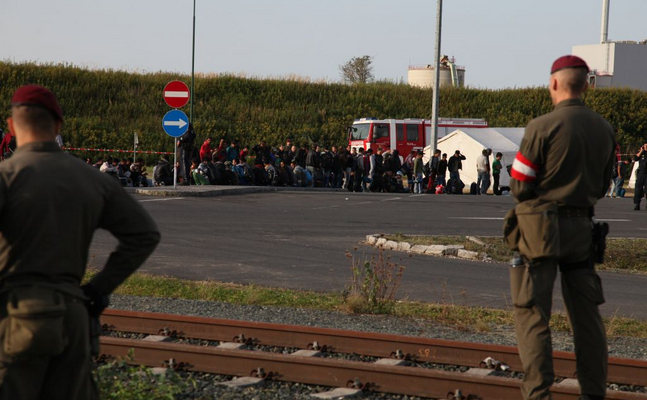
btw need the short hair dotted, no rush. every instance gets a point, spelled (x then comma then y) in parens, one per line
(573, 79)
(499, 154)
(34, 118)
(437, 151)
(444, 154)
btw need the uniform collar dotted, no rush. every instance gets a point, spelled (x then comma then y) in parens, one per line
(570, 102)
(38, 147)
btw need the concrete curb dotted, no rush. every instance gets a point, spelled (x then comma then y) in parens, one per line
(212, 191)
(454, 250)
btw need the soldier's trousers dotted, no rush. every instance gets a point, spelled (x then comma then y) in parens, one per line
(532, 291)
(67, 376)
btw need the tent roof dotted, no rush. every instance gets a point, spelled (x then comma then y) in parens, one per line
(501, 139)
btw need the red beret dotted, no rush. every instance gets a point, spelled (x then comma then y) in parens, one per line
(568, 62)
(35, 95)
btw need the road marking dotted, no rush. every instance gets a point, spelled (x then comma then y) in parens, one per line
(613, 220)
(170, 198)
(483, 218)
(394, 198)
(417, 195)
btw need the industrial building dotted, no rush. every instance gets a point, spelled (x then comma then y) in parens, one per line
(422, 76)
(619, 64)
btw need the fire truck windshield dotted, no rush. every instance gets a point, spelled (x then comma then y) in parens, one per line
(359, 131)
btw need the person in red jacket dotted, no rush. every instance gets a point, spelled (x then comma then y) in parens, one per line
(8, 145)
(205, 150)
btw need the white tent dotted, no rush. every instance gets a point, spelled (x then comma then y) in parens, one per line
(632, 178)
(472, 141)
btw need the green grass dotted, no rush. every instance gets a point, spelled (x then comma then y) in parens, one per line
(453, 315)
(623, 255)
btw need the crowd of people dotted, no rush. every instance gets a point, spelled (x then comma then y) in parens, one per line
(358, 170)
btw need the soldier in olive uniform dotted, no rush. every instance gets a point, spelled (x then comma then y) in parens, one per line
(564, 161)
(50, 205)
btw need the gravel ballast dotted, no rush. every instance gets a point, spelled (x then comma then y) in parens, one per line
(501, 335)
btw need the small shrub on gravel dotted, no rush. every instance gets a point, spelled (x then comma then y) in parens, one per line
(374, 283)
(117, 380)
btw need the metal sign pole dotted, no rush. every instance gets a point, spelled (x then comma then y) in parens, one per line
(192, 66)
(434, 106)
(174, 164)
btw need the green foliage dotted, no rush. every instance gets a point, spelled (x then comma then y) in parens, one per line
(119, 381)
(357, 70)
(104, 108)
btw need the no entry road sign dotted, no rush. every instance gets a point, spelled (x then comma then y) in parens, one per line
(175, 123)
(176, 94)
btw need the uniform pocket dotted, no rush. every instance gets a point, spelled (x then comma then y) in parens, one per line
(538, 229)
(521, 286)
(34, 326)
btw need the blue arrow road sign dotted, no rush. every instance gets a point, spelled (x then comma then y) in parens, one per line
(175, 123)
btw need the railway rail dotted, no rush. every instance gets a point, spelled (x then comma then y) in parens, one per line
(334, 372)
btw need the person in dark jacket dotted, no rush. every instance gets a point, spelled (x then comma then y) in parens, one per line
(187, 149)
(358, 179)
(433, 170)
(442, 170)
(262, 152)
(455, 165)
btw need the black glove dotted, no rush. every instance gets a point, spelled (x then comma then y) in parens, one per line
(96, 302)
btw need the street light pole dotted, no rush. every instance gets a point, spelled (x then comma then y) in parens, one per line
(192, 66)
(434, 106)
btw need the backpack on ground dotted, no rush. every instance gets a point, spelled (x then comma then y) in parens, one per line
(474, 188)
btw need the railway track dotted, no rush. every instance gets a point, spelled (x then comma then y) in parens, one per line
(476, 383)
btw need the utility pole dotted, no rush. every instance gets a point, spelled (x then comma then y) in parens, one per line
(434, 106)
(192, 66)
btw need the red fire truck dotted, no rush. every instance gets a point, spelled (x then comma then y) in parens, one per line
(403, 134)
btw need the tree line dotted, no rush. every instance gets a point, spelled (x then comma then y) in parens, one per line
(104, 108)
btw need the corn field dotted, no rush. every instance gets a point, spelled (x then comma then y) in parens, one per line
(103, 108)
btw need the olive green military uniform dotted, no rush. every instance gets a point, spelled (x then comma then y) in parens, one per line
(565, 159)
(50, 205)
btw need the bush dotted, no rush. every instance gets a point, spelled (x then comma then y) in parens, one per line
(104, 108)
(374, 284)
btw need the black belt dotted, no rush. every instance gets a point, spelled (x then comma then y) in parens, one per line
(575, 212)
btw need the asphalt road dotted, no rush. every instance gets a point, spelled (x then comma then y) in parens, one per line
(300, 239)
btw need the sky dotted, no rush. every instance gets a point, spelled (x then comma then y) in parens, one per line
(501, 43)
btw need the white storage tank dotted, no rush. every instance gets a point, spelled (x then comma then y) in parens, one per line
(422, 76)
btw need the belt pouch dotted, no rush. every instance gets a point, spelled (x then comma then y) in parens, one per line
(538, 229)
(34, 326)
